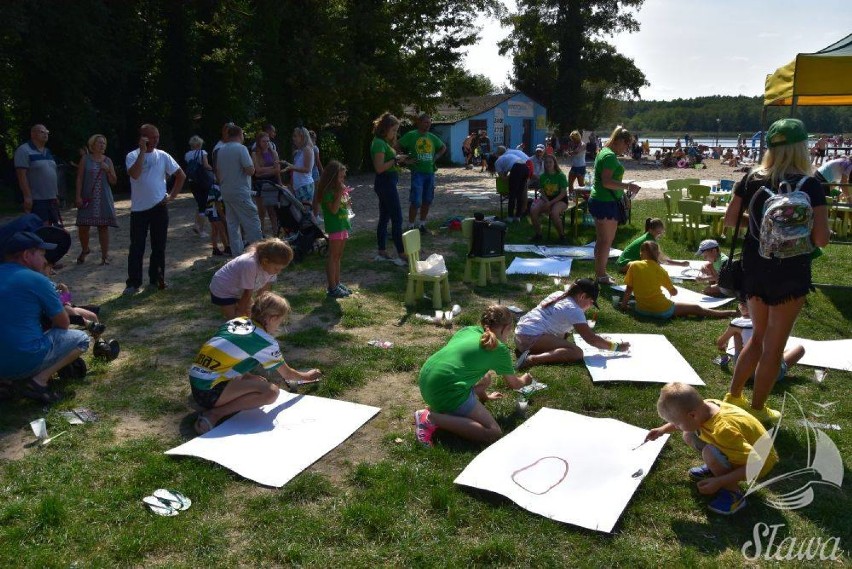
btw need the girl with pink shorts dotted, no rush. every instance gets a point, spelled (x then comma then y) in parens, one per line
(332, 195)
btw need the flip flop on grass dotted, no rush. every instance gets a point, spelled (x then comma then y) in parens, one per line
(173, 499)
(158, 506)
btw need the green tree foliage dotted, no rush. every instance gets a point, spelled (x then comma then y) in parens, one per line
(561, 61)
(191, 65)
(735, 114)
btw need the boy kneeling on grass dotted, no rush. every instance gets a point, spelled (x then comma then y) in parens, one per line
(220, 377)
(723, 433)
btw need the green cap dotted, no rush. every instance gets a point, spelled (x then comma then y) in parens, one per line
(785, 131)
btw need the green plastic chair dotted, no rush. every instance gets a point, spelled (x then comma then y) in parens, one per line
(485, 273)
(691, 210)
(681, 184)
(698, 192)
(674, 219)
(414, 288)
(502, 191)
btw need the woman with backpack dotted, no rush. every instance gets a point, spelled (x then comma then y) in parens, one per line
(776, 269)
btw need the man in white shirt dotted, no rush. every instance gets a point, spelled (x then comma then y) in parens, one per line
(148, 168)
(234, 169)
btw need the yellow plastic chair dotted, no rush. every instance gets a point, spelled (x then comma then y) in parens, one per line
(414, 289)
(691, 210)
(674, 219)
(502, 191)
(485, 273)
(698, 192)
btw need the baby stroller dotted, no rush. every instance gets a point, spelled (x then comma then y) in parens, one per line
(299, 227)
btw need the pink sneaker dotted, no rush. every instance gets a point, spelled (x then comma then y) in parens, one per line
(423, 427)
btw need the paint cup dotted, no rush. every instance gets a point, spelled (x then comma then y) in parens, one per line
(39, 427)
(591, 323)
(529, 288)
(616, 299)
(522, 406)
(819, 375)
(556, 282)
(439, 315)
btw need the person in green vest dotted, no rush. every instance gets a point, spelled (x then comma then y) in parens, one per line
(332, 194)
(424, 149)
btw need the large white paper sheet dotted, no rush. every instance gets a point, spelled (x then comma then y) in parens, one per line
(684, 273)
(567, 467)
(831, 354)
(687, 296)
(546, 266)
(273, 444)
(584, 253)
(651, 359)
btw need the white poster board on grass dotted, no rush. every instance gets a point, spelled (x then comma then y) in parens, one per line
(546, 266)
(567, 467)
(831, 354)
(273, 444)
(651, 359)
(687, 296)
(684, 273)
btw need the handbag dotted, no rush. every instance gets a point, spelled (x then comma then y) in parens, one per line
(731, 271)
(622, 204)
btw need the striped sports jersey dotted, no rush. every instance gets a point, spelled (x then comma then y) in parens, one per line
(237, 348)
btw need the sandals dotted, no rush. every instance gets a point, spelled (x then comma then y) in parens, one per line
(82, 258)
(606, 280)
(202, 425)
(41, 393)
(105, 260)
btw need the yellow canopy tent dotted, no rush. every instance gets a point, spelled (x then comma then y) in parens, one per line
(823, 78)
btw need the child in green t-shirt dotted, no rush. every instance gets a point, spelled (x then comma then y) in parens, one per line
(654, 230)
(714, 258)
(332, 195)
(453, 381)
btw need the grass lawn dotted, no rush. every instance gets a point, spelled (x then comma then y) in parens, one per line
(374, 501)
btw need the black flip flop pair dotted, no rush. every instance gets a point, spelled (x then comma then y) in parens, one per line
(41, 393)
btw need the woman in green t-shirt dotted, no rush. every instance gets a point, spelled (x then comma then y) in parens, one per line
(386, 164)
(332, 195)
(453, 381)
(608, 189)
(553, 200)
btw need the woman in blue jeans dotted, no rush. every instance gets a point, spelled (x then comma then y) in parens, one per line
(386, 164)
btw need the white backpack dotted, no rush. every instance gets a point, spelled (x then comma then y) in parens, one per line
(786, 222)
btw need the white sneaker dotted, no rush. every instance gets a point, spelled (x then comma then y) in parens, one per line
(378, 258)
(399, 262)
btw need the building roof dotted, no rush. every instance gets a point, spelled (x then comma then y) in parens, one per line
(450, 113)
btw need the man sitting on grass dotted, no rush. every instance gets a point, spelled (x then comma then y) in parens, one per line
(31, 356)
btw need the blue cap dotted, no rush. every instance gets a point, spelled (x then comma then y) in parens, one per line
(23, 240)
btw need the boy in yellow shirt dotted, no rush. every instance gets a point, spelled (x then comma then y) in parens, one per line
(723, 433)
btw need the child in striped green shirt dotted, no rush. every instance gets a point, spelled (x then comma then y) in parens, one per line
(221, 378)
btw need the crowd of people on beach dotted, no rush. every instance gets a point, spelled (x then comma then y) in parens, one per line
(235, 184)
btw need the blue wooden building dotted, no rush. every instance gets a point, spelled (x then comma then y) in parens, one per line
(508, 119)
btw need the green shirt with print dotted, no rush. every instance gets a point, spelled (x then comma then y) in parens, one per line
(607, 160)
(553, 183)
(423, 148)
(380, 145)
(450, 373)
